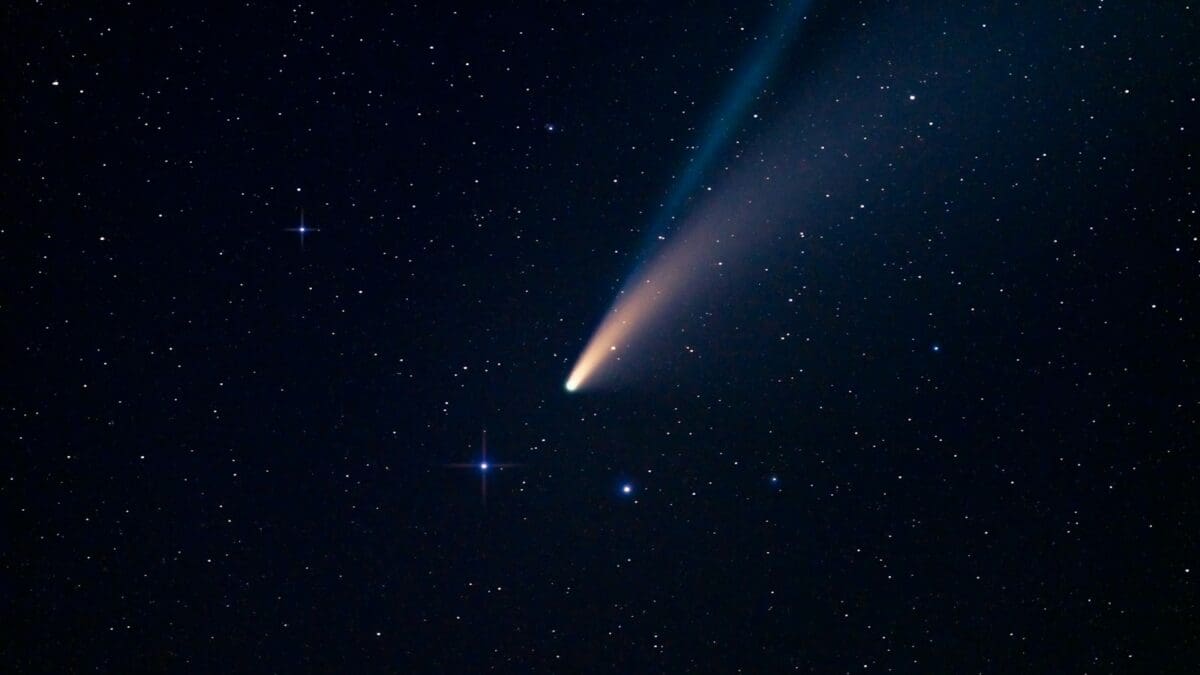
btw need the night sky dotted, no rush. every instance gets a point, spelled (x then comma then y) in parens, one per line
(930, 403)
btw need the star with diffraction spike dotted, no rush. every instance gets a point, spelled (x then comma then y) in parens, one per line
(302, 229)
(483, 466)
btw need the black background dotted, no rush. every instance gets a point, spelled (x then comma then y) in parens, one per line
(973, 379)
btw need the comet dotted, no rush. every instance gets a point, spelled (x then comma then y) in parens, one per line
(657, 284)
(642, 303)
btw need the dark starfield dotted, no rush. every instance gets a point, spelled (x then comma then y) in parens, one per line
(930, 404)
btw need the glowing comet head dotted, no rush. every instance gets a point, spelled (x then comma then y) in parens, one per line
(584, 367)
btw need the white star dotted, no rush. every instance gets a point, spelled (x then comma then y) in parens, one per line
(302, 229)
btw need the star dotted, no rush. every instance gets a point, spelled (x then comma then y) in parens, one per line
(302, 229)
(626, 489)
(483, 466)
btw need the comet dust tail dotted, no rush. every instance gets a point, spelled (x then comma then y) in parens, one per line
(647, 298)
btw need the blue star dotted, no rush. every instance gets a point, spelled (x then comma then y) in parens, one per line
(484, 466)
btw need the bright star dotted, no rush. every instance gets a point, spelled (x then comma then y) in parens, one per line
(483, 465)
(302, 229)
(626, 488)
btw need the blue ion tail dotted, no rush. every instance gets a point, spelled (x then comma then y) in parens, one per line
(748, 85)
